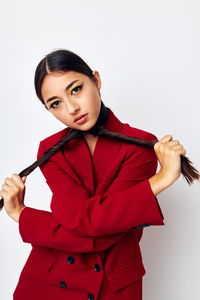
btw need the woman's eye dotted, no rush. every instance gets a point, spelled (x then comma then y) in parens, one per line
(52, 105)
(77, 87)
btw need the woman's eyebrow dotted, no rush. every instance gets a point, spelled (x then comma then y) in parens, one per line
(67, 87)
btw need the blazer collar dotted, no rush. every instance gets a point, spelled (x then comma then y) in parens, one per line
(77, 161)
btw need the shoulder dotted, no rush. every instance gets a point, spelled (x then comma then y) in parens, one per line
(136, 151)
(55, 137)
(51, 140)
(138, 133)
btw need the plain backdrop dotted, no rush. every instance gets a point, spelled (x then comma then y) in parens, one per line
(147, 54)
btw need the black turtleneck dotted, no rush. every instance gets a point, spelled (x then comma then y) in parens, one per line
(101, 120)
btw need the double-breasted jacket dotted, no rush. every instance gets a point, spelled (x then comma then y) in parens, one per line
(87, 245)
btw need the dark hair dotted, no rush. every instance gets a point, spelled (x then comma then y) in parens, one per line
(59, 61)
(65, 60)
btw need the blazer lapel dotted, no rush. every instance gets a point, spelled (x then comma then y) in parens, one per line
(91, 171)
(78, 157)
(105, 153)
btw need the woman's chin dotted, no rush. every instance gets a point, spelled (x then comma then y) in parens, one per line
(87, 126)
(84, 127)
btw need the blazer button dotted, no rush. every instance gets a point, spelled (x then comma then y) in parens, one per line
(70, 259)
(63, 284)
(90, 297)
(97, 268)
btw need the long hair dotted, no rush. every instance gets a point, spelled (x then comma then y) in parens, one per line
(64, 60)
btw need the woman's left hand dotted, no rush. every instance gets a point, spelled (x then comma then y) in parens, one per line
(13, 192)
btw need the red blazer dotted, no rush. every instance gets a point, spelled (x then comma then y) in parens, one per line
(86, 246)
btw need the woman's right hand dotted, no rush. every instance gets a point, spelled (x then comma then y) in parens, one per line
(168, 152)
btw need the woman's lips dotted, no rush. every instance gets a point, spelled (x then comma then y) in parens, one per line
(82, 120)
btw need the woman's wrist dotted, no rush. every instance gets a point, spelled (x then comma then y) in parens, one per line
(17, 215)
(159, 182)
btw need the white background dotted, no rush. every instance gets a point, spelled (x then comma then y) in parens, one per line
(147, 53)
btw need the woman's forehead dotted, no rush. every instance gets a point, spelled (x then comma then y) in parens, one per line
(67, 75)
(54, 81)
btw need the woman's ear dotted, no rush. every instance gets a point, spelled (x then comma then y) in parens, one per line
(97, 79)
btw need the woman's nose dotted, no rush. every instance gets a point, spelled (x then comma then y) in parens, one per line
(72, 106)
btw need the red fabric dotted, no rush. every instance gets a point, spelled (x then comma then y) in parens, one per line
(96, 202)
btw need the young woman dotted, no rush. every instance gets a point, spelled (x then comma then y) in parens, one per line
(103, 194)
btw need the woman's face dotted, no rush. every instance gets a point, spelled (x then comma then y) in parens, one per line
(67, 100)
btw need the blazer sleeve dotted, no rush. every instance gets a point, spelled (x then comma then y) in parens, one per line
(40, 227)
(128, 203)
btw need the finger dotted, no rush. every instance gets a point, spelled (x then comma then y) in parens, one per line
(12, 183)
(18, 179)
(174, 142)
(176, 147)
(24, 178)
(166, 138)
(9, 181)
(9, 188)
(182, 151)
(4, 193)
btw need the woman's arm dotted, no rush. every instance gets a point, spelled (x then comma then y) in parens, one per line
(40, 227)
(128, 202)
(68, 196)
(158, 183)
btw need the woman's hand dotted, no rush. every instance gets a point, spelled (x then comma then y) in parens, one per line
(168, 152)
(13, 192)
